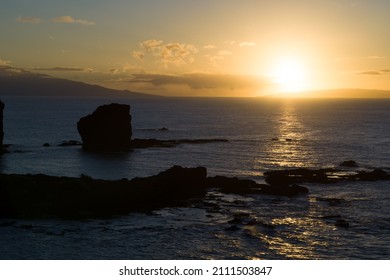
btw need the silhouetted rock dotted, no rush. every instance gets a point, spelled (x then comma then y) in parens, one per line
(233, 185)
(46, 145)
(173, 185)
(42, 196)
(1, 125)
(375, 175)
(323, 176)
(108, 128)
(349, 163)
(342, 223)
(295, 176)
(70, 143)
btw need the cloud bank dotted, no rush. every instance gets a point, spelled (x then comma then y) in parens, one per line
(65, 69)
(201, 81)
(198, 84)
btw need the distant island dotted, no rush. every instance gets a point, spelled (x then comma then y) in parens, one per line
(30, 84)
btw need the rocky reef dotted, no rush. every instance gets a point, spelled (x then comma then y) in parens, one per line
(43, 196)
(107, 128)
(322, 176)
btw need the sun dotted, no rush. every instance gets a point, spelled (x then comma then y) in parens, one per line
(289, 75)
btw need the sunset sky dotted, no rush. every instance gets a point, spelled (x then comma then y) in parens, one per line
(203, 47)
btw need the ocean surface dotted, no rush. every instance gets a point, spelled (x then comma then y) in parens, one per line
(262, 134)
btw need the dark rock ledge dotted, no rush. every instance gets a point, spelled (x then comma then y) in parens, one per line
(43, 196)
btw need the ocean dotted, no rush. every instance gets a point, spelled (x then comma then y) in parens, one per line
(263, 134)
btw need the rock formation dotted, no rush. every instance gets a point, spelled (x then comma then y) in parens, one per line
(349, 163)
(108, 128)
(1, 124)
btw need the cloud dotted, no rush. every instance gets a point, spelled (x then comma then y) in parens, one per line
(125, 69)
(4, 63)
(138, 55)
(247, 44)
(61, 19)
(375, 57)
(167, 53)
(151, 45)
(210, 47)
(33, 20)
(71, 20)
(224, 52)
(65, 69)
(8, 70)
(218, 57)
(230, 42)
(375, 72)
(358, 57)
(201, 81)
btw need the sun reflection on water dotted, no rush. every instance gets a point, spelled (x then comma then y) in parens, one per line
(294, 238)
(289, 145)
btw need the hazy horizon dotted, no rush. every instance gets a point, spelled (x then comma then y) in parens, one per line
(207, 48)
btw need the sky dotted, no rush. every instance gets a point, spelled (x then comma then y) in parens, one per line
(203, 47)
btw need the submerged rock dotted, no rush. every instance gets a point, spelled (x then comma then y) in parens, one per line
(108, 128)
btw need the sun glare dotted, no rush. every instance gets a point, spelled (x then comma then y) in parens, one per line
(289, 75)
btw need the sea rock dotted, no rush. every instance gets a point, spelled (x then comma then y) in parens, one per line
(342, 223)
(70, 143)
(375, 175)
(349, 163)
(295, 176)
(233, 185)
(108, 128)
(1, 124)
